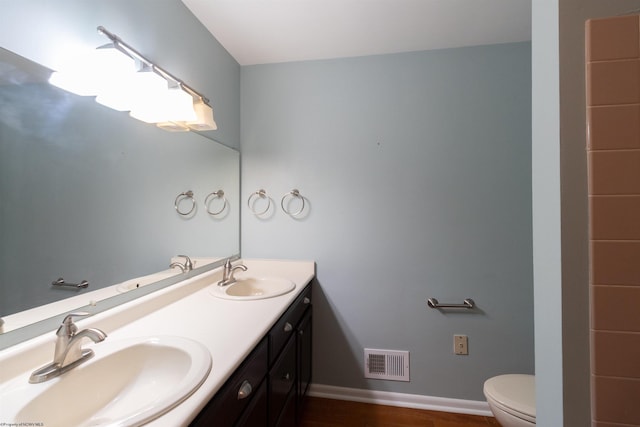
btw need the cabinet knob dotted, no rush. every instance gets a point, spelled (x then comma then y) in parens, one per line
(306, 300)
(287, 376)
(288, 327)
(245, 390)
(301, 332)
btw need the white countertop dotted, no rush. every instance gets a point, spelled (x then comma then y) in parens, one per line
(229, 329)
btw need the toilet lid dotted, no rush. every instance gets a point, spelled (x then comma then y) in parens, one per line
(515, 393)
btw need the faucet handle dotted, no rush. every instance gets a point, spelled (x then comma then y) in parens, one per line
(68, 328)
(188, 264)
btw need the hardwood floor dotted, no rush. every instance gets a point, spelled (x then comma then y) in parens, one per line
(319, 412)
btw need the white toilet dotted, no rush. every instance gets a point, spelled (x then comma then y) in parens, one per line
(512, 399)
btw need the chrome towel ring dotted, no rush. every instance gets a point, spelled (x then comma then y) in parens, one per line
(215, 195)
(182, 197)
(260, 194)
(293, 194)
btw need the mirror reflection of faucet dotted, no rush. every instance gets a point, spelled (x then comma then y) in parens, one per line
(227, 273)
(185, 267)
(68, 352)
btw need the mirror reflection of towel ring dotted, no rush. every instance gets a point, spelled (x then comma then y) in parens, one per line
(293, 194)
(184, 196)
(215, 195)
(262, 194)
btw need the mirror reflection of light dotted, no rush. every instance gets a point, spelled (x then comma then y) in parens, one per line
(93, 72)
(113, 74)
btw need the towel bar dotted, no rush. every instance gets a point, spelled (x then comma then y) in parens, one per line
(468, 303)
(60, 283)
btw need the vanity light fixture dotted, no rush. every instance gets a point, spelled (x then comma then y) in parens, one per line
(121, 78)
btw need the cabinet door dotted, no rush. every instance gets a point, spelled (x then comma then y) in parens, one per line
(256, 414)
(282, 379)
(236, 394)
(288, 415)
(303, 359)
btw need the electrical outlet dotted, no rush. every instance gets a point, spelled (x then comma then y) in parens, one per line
(460, 344)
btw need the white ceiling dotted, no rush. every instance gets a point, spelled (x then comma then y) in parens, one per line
(270, 31)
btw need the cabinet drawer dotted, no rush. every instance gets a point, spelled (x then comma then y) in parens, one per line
(285, 327)
(234, 396)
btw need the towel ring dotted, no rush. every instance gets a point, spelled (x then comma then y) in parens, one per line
(184, 196)
(263, 195)
(215, 195)
(293, 194)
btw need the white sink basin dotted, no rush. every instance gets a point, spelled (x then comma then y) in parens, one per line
(252, 288)
(127, 383)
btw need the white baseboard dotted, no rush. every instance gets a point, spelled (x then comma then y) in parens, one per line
(443, 404)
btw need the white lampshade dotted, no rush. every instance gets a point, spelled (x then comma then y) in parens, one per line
(204, 117)
(145, 91)
(110, 63)
(180, 105)
(115, 72)
(168, 105)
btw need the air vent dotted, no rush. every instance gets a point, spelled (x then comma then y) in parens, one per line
(386, 364)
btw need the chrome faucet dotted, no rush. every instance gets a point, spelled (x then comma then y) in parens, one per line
(227, 273)
(68, 352)
(187, 266)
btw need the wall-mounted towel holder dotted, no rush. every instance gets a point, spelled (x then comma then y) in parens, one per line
(60, 283)
(467, 303)
(287, 197)
(185, 195)
(254, 197)
(211, 197)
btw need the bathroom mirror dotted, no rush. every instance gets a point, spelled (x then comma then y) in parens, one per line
(88, 193)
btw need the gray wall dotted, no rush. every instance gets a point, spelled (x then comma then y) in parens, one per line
(417, 170)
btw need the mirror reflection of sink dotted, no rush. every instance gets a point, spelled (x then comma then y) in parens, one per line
(252, 288)
(128, 383)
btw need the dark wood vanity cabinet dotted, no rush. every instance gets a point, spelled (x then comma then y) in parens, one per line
(282, 379)
(290, 361)
(240, 394)
(303, 360)
(268, 388)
